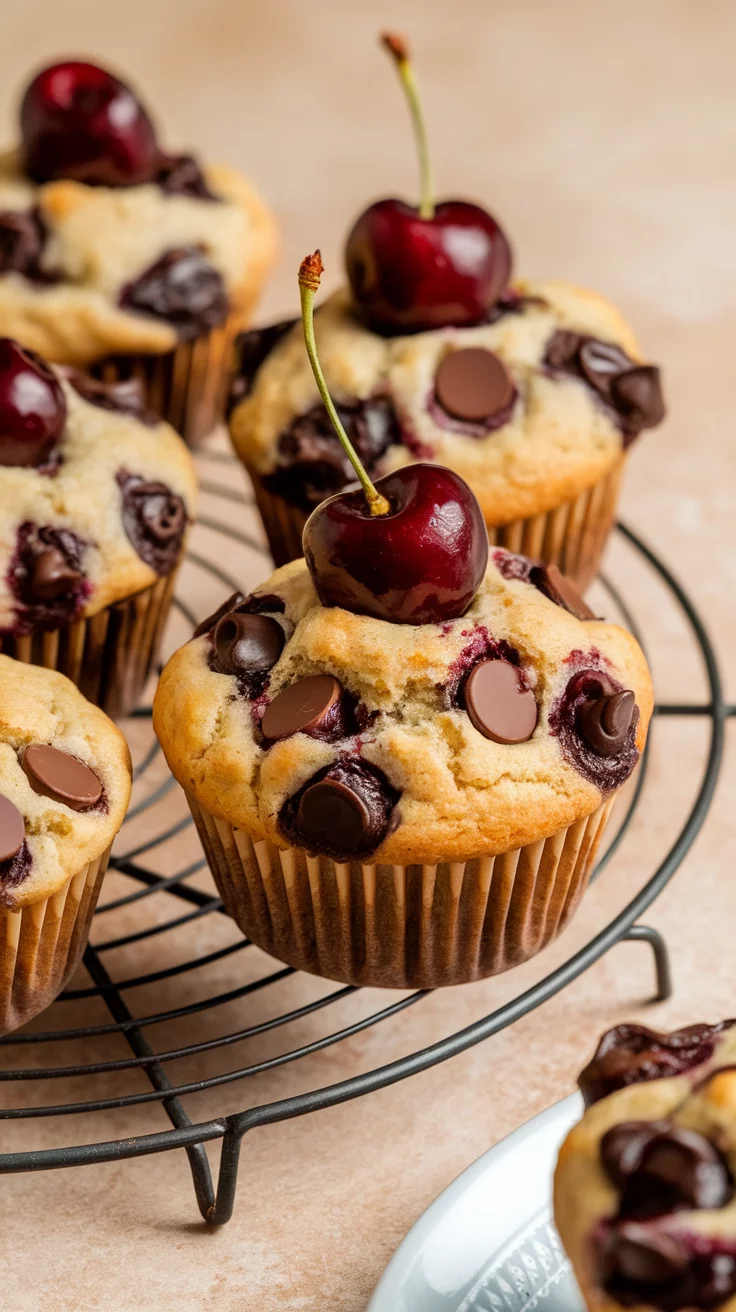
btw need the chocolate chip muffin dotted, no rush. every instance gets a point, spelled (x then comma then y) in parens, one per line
(65, 782)
(536, 409)
(404, 804)
(120, 256)
(95, 498)
(644, 1189)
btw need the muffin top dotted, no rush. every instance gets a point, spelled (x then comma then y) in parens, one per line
(531, 407)
(644, 1188)
(392, 742)
(95, 494)
(65, 779)
(110, 245)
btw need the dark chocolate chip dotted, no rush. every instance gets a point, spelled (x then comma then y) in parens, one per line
(644, 1256)
(47, 577)
(600, 362)
(181, 175)
(154, 519)
(637, 395)
(631, 391)
(622, 1147)
(247, 644)
(251, 349)
(344, 811)
(12, 829)
(473, 384)
(681, 1168)
(332, 812)
(550, 580)
(498, 704)
(60, 776)
(631, 1054)
(301, 707)
(587, 722)
(206, 626)
(183, 288)
(51, 576)
(126, 396)
(605, 722)
(562, 349)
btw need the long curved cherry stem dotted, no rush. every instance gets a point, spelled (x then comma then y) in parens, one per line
(310, 272)
(399, 51)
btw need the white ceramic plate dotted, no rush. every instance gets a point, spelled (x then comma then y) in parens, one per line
(488, 1244)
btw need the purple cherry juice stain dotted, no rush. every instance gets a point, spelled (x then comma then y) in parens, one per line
(514, 568)
(13, 873)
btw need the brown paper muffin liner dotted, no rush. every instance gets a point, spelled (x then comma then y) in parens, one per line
(393, 926)
(572, 536)
(188, 386)
(41, 945)
(110, 655)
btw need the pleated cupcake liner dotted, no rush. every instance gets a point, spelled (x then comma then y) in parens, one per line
(41, 945)
(110, 655)
(187, 386)
(396, 926)
(572, 536)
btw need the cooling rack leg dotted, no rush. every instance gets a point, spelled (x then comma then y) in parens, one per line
(227, 1183)
(198, 1163)
(646, 934)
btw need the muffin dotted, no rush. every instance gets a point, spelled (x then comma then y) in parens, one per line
(95, 500)
(400, 802)
(65, 781)
(644, 1187)
(121, 257)
(531, 390)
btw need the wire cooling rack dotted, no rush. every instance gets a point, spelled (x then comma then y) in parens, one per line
(159, 895)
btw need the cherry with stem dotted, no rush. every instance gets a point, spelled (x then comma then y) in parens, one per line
(411, 548)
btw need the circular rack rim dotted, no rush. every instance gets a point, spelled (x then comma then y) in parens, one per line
(217, 1207)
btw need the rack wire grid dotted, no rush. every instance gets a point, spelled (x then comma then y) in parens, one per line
(160, 886)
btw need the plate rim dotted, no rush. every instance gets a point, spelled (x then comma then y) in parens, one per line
(413, 1241)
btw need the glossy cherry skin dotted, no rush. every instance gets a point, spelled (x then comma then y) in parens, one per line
(409, 274)
(420, 564)
(32, 406)
(79, 121)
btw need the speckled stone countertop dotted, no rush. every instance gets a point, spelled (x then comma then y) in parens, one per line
(604, 140)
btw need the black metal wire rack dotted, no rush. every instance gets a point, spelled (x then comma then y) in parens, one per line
(144, 912)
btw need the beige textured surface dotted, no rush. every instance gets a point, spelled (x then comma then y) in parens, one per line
(605, 142)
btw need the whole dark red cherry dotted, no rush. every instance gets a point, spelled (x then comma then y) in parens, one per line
(408, 274)
(32, 406)
(421, 563)
(412, 268)
(79, 121)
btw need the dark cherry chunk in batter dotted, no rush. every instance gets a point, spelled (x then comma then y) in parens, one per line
(630, 391)
(46, 577)
(630, 1054)
(311, 462)
(184, 289)
(181, 175)
(344, 811)
(595, 723)
(15, 856)
(125, 396)
(643, 1264)
(154, 519)
(251, 349)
